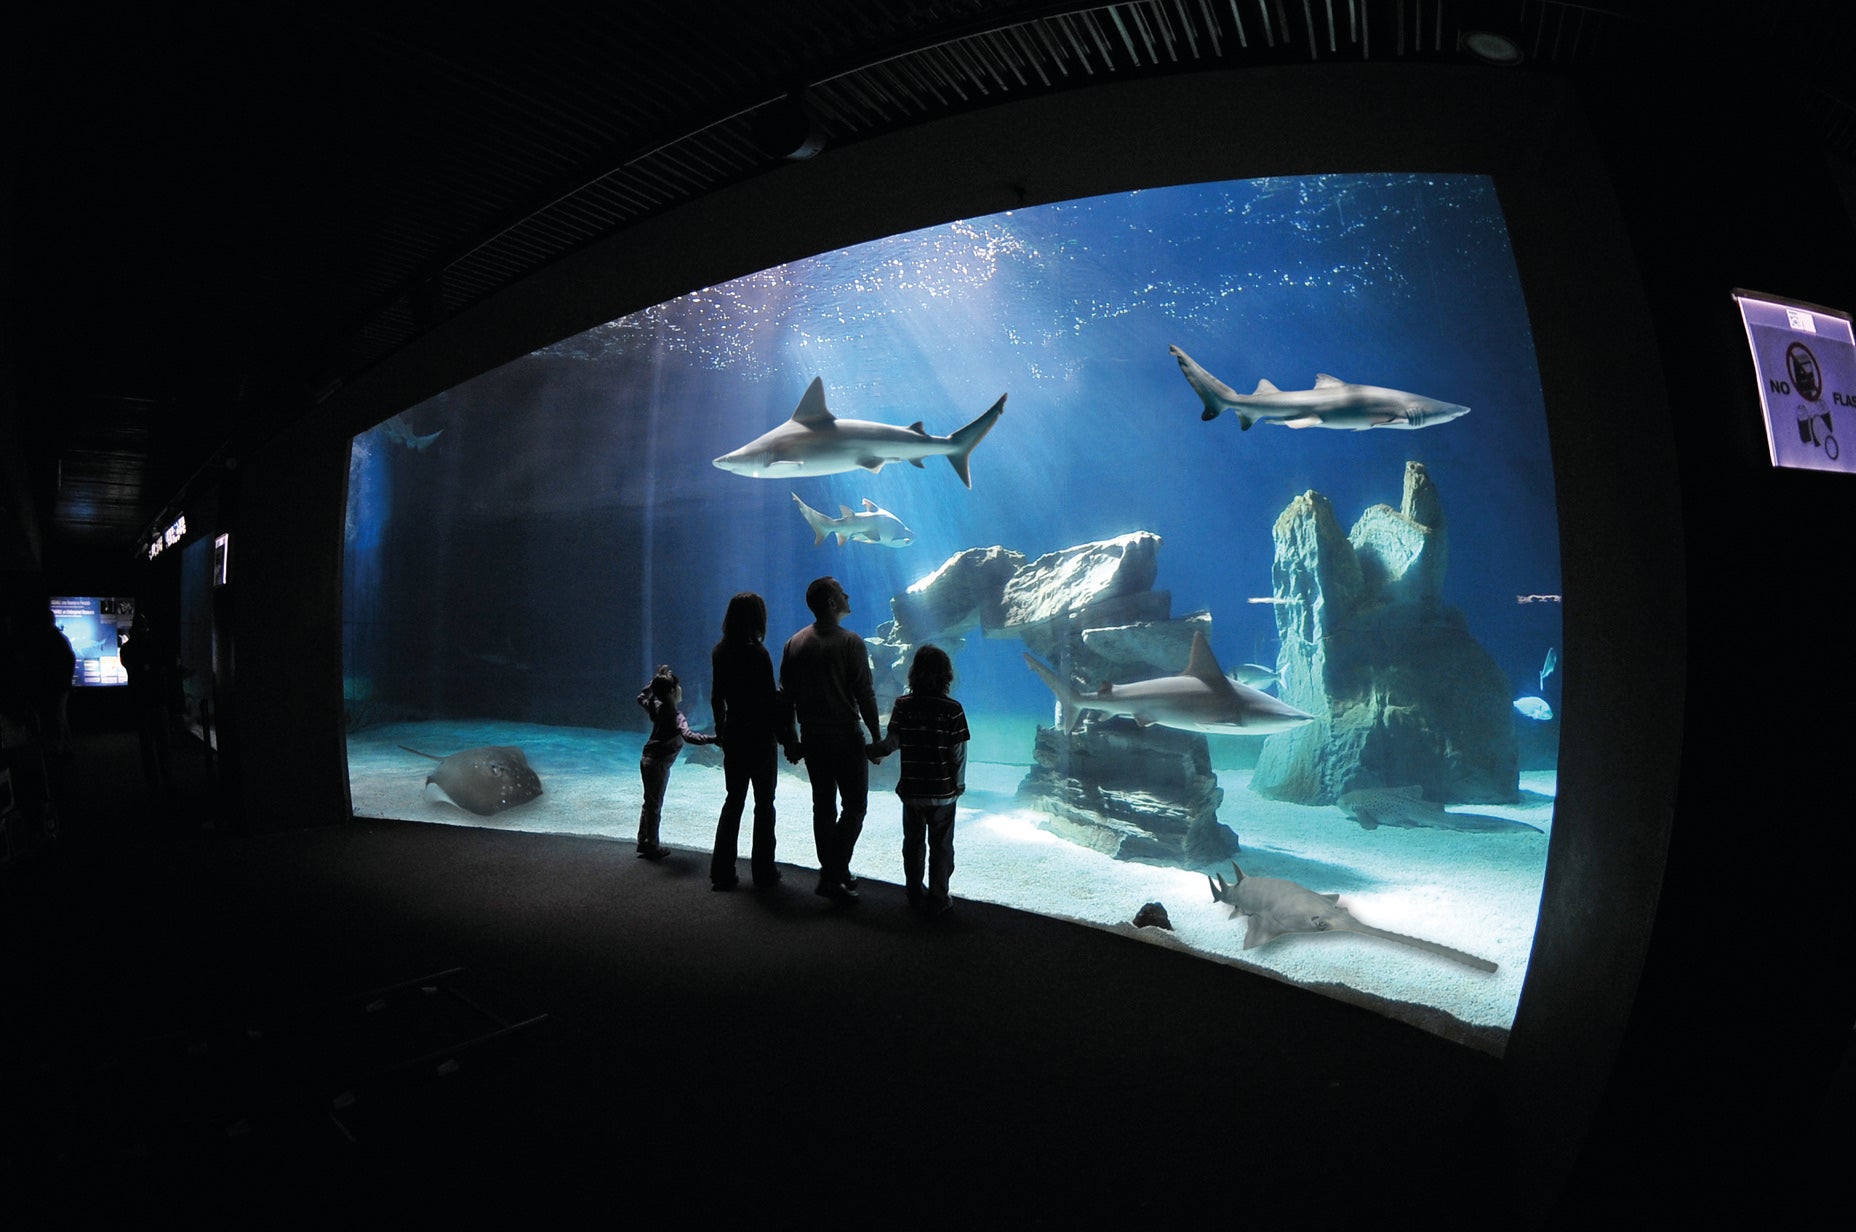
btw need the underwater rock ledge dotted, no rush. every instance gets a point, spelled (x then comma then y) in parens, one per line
(1142, 794)
(1149, 795)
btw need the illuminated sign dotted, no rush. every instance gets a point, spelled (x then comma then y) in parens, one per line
(97, 628)
(1805, 358)
(169, 537)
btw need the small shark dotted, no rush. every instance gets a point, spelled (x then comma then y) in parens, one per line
(1406, 808)
(1201, 699)
(1332, 403)
(815, 442)
(1255, 675)
(874, 525)
(1273, 907)
(1547, 668)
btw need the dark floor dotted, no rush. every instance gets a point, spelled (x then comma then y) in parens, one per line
(214, 1027)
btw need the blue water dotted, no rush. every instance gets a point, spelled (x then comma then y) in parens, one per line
(565, 530)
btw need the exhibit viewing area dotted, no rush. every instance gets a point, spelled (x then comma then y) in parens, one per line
(1376, 471)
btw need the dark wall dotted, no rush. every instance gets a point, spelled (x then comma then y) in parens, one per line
(1622, 672)
(1748, 992)
(279, 656)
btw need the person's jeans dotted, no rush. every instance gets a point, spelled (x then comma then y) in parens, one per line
(927, 837)
(839, 770)
(655, 774)
(742, 768)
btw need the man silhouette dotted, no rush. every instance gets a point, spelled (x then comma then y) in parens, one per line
(825, 671)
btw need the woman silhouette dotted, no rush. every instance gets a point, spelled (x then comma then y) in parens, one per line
(752, 718)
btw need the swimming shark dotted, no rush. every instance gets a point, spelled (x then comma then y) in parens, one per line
(1332, 403)
(1273, 907)
(483, 780)
(816, 442)
(874, 525)
(1200, 699)
(1255, 675)
(1406, 808)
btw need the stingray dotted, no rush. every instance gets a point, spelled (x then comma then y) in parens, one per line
(484, 780)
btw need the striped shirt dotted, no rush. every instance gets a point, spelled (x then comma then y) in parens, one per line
(932, 733)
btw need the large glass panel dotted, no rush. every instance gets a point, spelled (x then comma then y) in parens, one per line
(1310, 636)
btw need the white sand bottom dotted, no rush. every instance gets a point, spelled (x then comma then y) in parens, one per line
(1479, 893)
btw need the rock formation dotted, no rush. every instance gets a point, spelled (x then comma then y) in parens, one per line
(1142, 794)
(1153, 915)
(1091, 585)
(1091, 611)
(966, 593)
(1404, 693)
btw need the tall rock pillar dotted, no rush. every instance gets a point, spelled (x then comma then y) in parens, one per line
(1402, 692)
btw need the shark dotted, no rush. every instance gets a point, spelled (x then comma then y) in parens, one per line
(1200, 699)
(1332, 403)
(1256, 675)
(1406, 808)
(874, 525)
(484, 780)
(816, 442)
(1274, 907)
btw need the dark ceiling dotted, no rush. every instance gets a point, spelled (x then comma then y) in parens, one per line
(217, 217)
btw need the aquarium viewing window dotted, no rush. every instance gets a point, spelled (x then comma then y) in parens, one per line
(1230, 502)
(1806, 364)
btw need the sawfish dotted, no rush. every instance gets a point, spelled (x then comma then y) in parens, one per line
(1272, 907)
(484, 780)
(1406, 808)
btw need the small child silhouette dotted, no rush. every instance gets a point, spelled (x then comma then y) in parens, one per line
(931, 729)
(662, 699)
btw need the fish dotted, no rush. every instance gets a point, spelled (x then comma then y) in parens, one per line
(1406, 808)
(1332, 403)
(1274, 907)
(874, 525)
(1255, 675)
(1534, 708)
(483, 780)
(1200, 699)
(815, 442)
(1547, 668)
